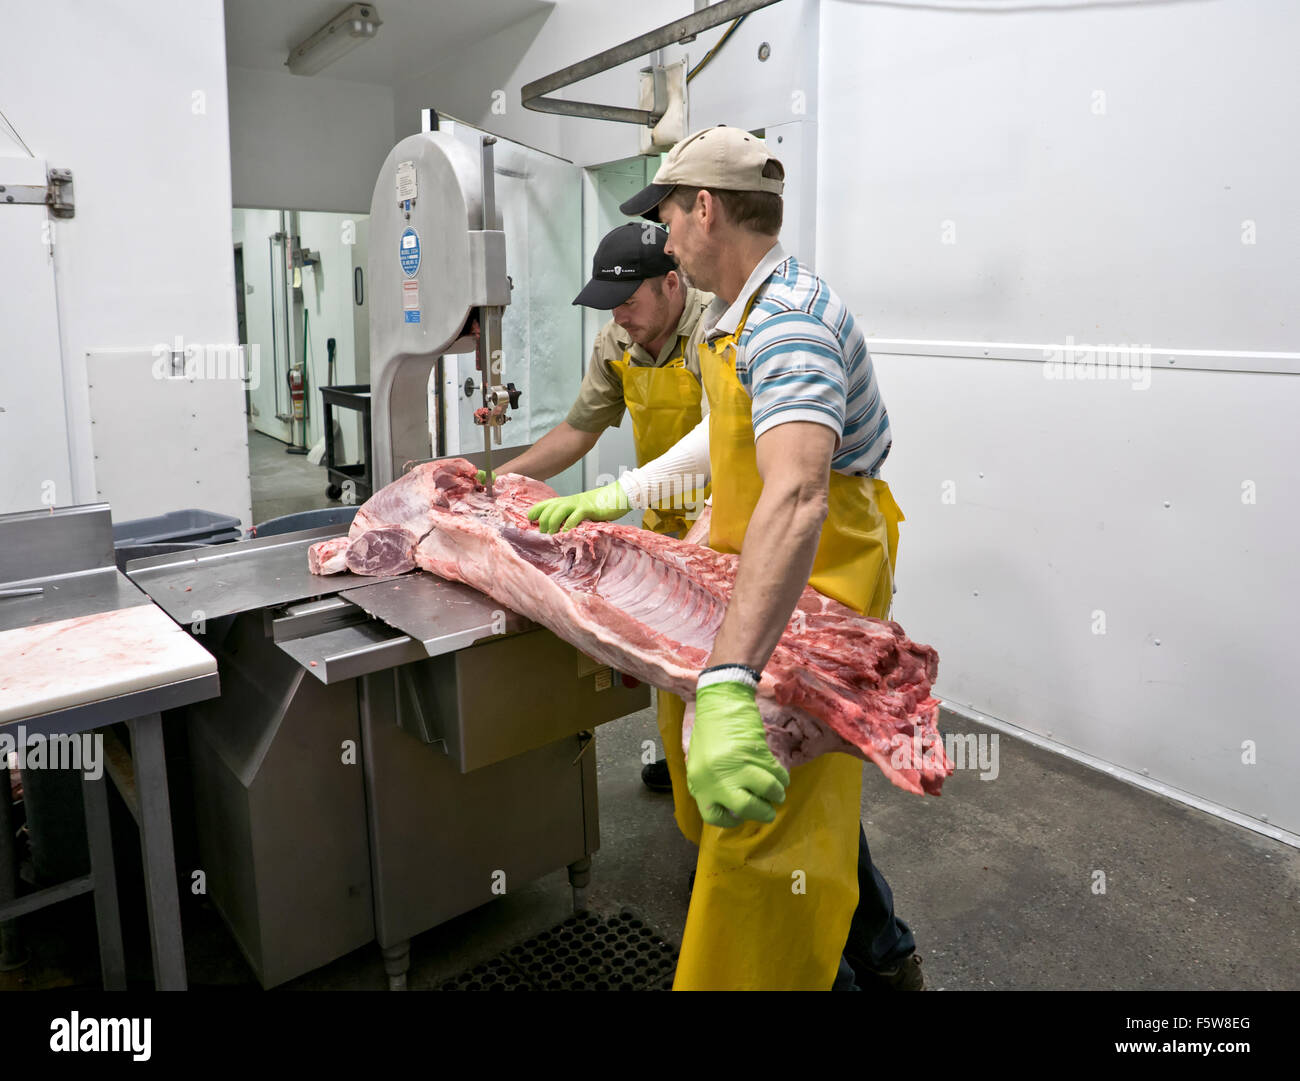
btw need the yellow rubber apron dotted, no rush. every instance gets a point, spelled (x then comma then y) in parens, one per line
(772, 902)
(664, 404)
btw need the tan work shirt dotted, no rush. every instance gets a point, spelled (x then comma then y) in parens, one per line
(600, 398)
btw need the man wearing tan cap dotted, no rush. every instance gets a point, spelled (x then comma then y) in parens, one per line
(796, 435)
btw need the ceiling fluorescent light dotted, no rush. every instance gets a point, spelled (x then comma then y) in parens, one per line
(343, 33)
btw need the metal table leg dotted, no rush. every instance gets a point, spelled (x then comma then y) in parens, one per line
(368, 472)
(156, 844)
(580, 879)
(397, 962)
(112, 960)
(329, 434)
(11, 951)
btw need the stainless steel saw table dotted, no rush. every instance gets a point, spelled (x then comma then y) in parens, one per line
(386, 754)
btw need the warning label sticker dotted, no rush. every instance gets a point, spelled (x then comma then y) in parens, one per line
(411, 301)
(405, 181)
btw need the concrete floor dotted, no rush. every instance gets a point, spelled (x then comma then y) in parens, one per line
(996, 879)
(283, 483)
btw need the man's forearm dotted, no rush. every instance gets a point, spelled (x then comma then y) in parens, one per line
(779, 548)
(553, 453)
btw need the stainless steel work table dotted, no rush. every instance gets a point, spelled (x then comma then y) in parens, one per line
(68, 554)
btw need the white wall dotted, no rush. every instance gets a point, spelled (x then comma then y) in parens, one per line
(1042, 511)
(137, 110)
(1118, 226)
(307, 143)
(482, 88)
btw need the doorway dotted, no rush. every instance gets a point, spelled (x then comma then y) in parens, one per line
(300, 293)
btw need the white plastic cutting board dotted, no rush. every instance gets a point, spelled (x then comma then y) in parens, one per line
(53, 666)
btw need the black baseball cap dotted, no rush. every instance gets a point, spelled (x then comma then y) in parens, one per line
(626, 257)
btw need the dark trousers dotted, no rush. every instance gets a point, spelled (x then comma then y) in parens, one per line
(878, 940)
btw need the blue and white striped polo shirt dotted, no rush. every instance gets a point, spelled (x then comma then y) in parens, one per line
(801, 356)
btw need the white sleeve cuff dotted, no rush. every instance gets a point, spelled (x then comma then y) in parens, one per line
(680, 471)
(736, 673)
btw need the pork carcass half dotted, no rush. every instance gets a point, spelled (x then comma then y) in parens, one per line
(650, 606)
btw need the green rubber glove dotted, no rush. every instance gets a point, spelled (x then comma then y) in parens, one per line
(730, 770)
(565, 511)
(483, 478)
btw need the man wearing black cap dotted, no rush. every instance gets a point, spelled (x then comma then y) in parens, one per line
(645, 360)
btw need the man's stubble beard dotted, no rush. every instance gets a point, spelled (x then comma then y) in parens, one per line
(670, 323)
(700, 277)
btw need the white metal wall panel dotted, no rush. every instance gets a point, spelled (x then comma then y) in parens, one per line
(1040, 512)
(152, 439)
(1114, 174)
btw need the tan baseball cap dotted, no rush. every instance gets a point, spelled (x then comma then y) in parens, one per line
(723, 158)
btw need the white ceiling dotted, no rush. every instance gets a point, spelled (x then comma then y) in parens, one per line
(415, 37)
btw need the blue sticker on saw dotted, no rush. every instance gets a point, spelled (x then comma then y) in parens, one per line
(409, 252)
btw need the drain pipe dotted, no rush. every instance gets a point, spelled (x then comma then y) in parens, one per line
(674, 33)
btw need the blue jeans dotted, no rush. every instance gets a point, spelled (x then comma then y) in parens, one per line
(878, 940)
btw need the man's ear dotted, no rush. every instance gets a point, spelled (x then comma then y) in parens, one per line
(707, 205)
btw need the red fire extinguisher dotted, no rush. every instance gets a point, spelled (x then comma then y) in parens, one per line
(297, 392)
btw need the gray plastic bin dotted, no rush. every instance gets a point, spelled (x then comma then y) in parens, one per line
(304, 519)
(204, 526)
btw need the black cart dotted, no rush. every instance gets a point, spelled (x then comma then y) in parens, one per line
(355, 397)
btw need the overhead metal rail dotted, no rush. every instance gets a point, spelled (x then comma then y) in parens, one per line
(674, 33)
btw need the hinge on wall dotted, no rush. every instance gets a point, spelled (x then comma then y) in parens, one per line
(55, 194)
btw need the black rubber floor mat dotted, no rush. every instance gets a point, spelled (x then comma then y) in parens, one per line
(586, 952)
